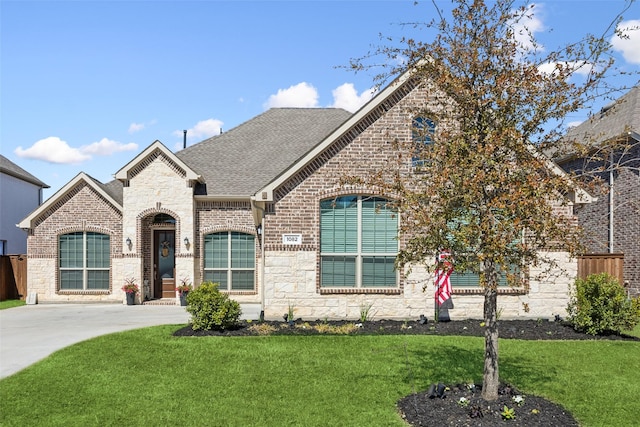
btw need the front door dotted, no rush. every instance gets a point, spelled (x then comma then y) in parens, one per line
(164, 262)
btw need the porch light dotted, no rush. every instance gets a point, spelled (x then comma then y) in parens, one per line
(128, 241)
(186, 241)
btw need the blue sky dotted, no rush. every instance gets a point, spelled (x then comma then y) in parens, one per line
(87, 85)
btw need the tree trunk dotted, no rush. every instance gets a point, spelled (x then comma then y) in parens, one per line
(490, 379)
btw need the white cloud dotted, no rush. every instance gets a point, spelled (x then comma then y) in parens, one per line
(302, 95)
(136, 127)
(629, 44)
(203, 129)
(346, 96)
(528, 25)
(574, 124)
(577, 67)
(107, 147)
(53, 150)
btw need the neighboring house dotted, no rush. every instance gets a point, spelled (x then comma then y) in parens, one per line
(612, 224)
(20, 194)
(261, 211)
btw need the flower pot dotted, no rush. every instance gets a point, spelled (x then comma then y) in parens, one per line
(183, 298)
(131, 298)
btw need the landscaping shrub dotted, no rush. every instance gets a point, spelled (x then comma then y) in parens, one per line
(600, 305)
(212, 309)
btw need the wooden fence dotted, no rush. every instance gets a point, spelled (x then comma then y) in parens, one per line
(613, 264)
(13, 277)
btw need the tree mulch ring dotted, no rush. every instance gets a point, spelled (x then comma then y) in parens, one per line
(427, 408)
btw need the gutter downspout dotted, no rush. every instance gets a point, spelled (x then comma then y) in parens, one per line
(611, 200)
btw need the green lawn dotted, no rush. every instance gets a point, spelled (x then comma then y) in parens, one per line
(10, 303)
(147, 377)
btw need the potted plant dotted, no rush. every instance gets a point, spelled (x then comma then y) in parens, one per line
(131, 289)
(183, 290)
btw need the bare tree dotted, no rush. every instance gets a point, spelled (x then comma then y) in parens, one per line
(479, 185)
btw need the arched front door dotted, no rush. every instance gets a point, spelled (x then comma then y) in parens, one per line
(164, 264)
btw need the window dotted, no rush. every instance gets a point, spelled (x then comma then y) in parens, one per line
(84, 261)
(468, 278)
(422, 130)
(229, 259)
(358, 242)
(3, 247)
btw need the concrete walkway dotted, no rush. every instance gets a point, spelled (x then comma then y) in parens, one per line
(32, 332)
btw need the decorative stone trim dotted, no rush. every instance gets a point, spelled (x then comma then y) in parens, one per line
(156, 154)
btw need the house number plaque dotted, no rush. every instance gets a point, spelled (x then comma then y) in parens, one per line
(292, 239)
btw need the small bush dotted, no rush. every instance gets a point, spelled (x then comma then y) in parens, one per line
(600, 305)
(212, 309)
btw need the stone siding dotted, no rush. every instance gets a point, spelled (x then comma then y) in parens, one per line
(158, 187)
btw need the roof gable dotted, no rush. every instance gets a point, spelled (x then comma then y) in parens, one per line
(104, 191)
(365, 117)
(149, 154)
(347, 131)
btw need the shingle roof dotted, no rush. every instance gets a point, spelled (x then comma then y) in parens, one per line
(112, 188)
(10, 168)
(614, 121)
(249, 156)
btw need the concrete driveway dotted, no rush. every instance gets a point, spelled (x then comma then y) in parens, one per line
(32, 332)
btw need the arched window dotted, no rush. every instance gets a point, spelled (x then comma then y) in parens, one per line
(358, 242)
(84, 260)
(163, 218)
(230, 259)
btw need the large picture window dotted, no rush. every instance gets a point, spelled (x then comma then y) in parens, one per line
(358, 242)
(84, 261)
(229, 259)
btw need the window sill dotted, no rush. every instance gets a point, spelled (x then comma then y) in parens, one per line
(380, 291)
(480, 291)
(83, 292)
(253, 292)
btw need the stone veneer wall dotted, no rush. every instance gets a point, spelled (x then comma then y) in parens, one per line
(82, 209)
(291, 273)
(292, 278)
(159, 186)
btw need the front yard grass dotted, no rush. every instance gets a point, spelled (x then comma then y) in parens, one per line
(148, 377)
(10, 303)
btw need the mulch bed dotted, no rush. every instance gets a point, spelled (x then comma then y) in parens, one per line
(428, 408)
